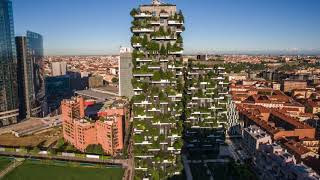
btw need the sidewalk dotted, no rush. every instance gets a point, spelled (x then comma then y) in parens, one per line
(11, 167)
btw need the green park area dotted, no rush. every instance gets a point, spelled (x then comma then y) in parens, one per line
(4, 162)
(38, 170)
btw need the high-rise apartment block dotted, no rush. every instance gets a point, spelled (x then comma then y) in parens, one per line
(32, 99)
(58, 68)
(125, 73)
(9, 108)
(206, 107)
(158, 84)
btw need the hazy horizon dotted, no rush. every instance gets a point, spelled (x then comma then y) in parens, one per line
(212, 26)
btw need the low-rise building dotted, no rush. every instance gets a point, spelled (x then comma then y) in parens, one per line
(274, 162)
(274, 122)
(289, 85)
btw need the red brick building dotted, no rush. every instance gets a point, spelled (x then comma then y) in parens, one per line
(289, 85)
(108, 131)
(274, 122)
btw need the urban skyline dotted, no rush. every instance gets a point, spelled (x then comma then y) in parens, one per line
(154, 111)
(264, 27)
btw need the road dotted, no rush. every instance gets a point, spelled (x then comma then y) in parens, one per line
(187, 167)
(233, 151)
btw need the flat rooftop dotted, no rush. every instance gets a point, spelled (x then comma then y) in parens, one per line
(102, 94)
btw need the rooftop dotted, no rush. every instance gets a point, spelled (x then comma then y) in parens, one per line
(97, 94)
(256, 132)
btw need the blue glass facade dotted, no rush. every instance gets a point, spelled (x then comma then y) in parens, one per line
(8, 81)
(32, 98)
(35, 55)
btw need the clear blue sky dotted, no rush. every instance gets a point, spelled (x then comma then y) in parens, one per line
(101, 26)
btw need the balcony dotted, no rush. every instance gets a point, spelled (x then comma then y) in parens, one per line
(174, 22)
(143, 143)
(163, 81)
(179, 74)
(141, 168)
(154, 67)
(174, 67)
(164, 15)
(143, 15)
(143, 60)
(142, 103)
(164, 38)
(136, 45)
(176, 52)
(143, 117)
(155, 23)
(137, 89)
(142, 75)
(179, 30)
(142, 30)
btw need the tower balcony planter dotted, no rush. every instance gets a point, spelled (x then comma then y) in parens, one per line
(155, 22)
(179, 30)
(143, 60)
(142, 15)
(164, 38)
(136, 45)
(142, 30)
(164, 15)
(175, 22)
(176, 52)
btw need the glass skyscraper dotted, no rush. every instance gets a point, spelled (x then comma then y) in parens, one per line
(30, 74)
(9, 111)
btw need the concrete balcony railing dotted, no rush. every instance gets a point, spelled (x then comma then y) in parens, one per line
(179, 30)
(176, 52)
(174, 67)
(143, 60)
(154, 67)
(143, 15)
(142, 30)
(162, 81)
(174, 22)
(155, 22)
(141, 168)
(136, 45)
(164, 15)
(137, 89)
(142, 74)
(164, 38)
(143, 143)
(143, 117)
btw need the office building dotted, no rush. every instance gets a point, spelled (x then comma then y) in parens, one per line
(32, 97)
(125, 73)
(9, 107)
(58, 68)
